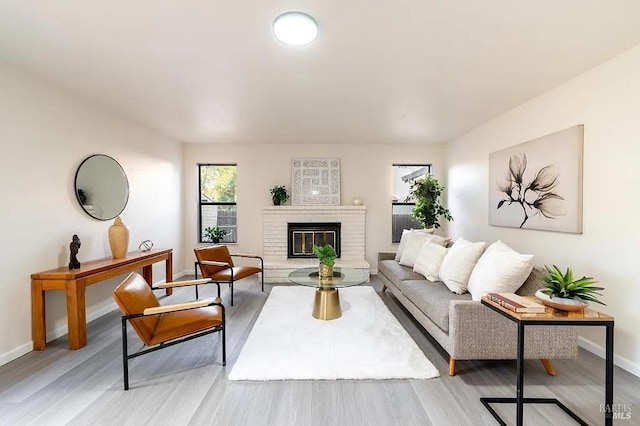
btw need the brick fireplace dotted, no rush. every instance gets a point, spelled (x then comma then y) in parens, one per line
(276, 225)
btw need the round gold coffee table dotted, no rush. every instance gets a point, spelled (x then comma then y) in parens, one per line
(327, 300)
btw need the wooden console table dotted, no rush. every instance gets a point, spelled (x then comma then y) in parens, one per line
(74, 282)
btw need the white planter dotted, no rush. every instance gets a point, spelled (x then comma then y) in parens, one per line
(561, 303)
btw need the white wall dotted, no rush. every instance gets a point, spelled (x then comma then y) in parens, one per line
(366, 170)
(607, 101)
(46, 132)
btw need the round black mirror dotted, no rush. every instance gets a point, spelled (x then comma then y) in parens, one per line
(101, 187)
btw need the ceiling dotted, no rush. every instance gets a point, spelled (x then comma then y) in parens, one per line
(407, 71)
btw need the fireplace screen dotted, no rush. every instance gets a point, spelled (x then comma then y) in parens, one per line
(302, 237)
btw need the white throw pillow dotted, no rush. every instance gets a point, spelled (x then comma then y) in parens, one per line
(500, 270)
(458, 263)
(429, 259)
(406, 233)
(403, 242)
(411, 250)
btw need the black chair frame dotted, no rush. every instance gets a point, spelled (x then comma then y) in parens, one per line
(196, 264)
(126, 356)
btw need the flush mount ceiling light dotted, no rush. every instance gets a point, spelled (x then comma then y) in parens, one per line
(295, 28)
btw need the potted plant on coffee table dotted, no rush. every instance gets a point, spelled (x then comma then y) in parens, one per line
(214, 234)
(564, 292)
(327, 256)
(426, 192)
(279, 195)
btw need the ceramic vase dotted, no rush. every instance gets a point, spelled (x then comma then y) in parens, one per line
(119, 238)
(357, 201)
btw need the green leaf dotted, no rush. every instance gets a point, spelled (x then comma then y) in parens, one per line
(559, 284)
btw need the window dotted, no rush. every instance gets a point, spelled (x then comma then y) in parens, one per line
(401, 206)
(217, 204)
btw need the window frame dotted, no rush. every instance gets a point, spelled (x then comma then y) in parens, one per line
(429, 167)
(214, 203)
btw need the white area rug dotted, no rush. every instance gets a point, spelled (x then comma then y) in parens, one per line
(367, 342)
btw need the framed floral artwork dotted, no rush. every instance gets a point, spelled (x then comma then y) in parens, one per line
(538, 184)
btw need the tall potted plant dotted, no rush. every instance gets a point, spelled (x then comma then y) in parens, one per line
(426, 192)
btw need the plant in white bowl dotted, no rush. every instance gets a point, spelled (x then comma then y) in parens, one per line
(565, 293)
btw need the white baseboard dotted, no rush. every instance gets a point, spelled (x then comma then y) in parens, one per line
(62, 330)
(619, 361)
(16, 353)
(51, 335)
(181, 274)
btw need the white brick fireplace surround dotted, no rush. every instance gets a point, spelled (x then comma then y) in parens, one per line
(274, 243)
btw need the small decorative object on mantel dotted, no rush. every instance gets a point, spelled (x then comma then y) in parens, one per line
(119, 238)
(214, 234)
(73, 255)
(279, 195)
(357, 201)
(327, 257)
(564, 293)
(146, 245)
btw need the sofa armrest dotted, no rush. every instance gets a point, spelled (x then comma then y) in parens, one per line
(386, 256)
(477, 332)
(472, 321)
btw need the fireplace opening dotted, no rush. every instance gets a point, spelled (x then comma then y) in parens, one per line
(302, 237)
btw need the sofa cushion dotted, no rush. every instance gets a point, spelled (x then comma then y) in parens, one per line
(396, 272)
(459, 262)
(403, 242)
(429, 260)
(500, 269)
(432, 298)
(414, 245)
(406, 236)
(533, 283)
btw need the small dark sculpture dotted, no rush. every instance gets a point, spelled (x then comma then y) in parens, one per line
(73, 257)
(83, 196)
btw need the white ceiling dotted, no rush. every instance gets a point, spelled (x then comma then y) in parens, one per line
(403, 71)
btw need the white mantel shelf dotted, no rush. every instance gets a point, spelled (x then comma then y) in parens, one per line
(275, 219)
(283, 209)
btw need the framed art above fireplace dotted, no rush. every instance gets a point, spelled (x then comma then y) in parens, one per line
(315, 182)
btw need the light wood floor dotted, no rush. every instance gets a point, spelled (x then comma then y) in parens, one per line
(185, 384)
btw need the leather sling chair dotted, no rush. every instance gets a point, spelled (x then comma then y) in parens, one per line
(216, 264)
(162, 326)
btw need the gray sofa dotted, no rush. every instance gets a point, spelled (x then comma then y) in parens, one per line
(468, 330)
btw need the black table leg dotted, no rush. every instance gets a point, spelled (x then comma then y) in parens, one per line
(520, 379)
(608, 390)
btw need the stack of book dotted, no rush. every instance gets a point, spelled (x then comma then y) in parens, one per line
(516, 303)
